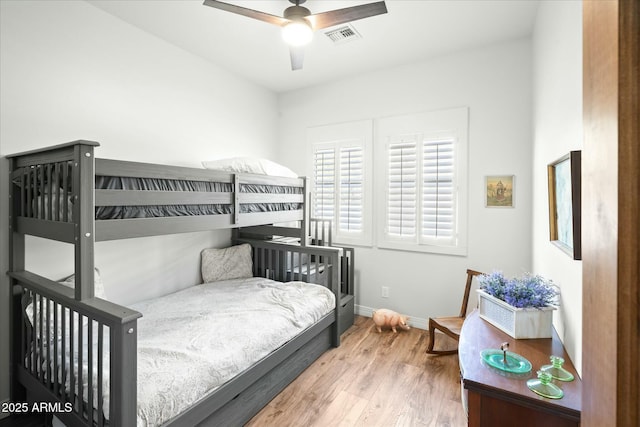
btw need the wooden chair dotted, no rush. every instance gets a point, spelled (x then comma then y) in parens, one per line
(451, 325)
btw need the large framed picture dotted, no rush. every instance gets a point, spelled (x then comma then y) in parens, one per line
(499, 191)
(564, 204)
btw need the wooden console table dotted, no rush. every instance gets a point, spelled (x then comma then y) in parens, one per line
(500, 399)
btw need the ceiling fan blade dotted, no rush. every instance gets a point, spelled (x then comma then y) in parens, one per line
(349, 14)
(297, 57)
(255, 14)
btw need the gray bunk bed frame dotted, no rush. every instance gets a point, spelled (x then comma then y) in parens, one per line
(319, 233)
(39, 372)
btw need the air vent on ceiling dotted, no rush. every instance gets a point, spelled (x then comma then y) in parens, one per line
(343, 34)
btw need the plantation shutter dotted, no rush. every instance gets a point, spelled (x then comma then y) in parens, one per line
(425, 167)
(324, 183)
(402, 191)
(438, 203)
(351, 189)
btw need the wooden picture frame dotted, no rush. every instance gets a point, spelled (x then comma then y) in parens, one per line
(564, 204)
(499, 191)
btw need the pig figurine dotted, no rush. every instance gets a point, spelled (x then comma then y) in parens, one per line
(385, 317)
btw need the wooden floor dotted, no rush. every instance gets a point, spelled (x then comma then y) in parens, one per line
(373, 379)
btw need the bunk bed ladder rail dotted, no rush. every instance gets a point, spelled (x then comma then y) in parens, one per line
(63, 347)
(47, 200)
(312, 264)
(320, 233)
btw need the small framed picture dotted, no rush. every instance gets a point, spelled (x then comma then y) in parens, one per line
(499, 191)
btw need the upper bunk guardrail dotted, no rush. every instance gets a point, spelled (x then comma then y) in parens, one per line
(47, 199)
(45, 190)
(54, 196)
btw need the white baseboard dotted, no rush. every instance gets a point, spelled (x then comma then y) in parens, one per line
(414, 322)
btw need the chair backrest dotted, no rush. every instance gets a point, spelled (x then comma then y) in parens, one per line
(467, 291)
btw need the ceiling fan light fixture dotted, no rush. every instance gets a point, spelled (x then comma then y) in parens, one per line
(298, 23)
(297, 33)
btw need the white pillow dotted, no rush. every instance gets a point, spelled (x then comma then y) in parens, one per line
(229, 263)
(250, 165)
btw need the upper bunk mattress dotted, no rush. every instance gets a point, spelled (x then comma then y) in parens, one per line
(161, 184)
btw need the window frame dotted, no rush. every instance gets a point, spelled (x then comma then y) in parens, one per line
(435, 125)
(341, 136)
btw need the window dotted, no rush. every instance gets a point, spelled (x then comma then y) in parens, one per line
(421, 190)
(341, 179)
(424, 159)
(420, 180)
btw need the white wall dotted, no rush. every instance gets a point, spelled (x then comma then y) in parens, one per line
(71, 71)
(557, 129)
(495, 83)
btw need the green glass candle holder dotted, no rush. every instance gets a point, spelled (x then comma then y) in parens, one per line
(544, 387)
(556, 370)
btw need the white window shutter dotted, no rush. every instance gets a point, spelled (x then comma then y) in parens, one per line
(425, 166)
(351, 177)
(324, 183)
(438, 190)
(402, 190)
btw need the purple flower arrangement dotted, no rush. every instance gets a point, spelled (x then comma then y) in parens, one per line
(522, 292)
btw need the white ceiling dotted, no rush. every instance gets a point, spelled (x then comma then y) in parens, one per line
(412, 30)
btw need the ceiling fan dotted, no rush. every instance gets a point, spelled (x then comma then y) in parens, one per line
(298, 24)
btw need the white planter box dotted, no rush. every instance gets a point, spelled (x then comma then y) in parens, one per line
(517, 322)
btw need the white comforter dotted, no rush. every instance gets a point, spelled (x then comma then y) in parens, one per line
(193, 341)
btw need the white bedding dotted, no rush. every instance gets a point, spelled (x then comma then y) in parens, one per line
(193, 341)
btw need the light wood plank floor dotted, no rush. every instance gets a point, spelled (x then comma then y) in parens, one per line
(373, 379)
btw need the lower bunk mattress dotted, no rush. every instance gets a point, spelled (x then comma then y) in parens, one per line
(193, 341)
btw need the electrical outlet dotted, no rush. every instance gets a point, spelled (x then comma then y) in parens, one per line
(385, 292)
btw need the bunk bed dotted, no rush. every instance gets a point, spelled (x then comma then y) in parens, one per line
(63, 193)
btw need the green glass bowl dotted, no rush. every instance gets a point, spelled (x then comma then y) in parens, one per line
(515, 363)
